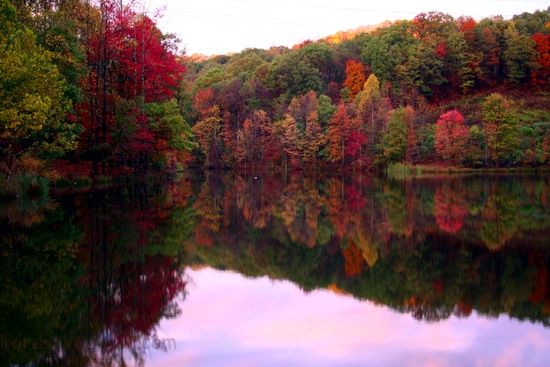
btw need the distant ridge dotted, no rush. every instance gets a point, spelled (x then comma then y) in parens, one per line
(342, 36)
(338, 37)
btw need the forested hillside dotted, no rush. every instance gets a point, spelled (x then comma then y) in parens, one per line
(433, 89)
(98, 82)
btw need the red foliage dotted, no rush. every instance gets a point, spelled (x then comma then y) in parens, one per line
(204, 101)
(449, 209)
(440, 51)
(301, 44)
(540, 76)
(450, 137)
(355, 202)
(467, 28)
(354, 260)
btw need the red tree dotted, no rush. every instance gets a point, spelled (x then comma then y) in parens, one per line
(355, 79)
(450, 137)
(541, 75)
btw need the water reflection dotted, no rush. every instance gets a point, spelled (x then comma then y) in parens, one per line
(431, 247)
(88, 281)
(89, 277)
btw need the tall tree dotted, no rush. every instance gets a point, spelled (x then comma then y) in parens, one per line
(368, 101)
(313, 139)
(337, 133)
(501, 128)
(208, 133)
(542, 74)
(396, 140)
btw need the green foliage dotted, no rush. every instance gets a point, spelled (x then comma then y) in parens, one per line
(395, 140)
(501, 128)
(520, 56)
(210, 78)
(291, 76)
(32, 111)
(166, 121)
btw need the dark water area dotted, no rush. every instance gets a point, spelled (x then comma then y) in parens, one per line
(226, 269)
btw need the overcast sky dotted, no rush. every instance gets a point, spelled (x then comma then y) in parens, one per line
(224, 26)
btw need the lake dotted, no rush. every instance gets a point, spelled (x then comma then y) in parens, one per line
(225, 269)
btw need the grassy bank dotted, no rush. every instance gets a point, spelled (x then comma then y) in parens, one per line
(402, 170)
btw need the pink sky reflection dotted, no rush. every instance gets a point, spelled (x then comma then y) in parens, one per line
(231, 320)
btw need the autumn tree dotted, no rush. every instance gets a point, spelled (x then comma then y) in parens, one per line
(542, 74)
(355, 77)
(128, 58)
(302, 106)
(450, 137)
(291, 76)
(337, 133)
(313, 139)
(290, 138)
(368, 103)
(500, 127)
(256, 136)
(208, 134)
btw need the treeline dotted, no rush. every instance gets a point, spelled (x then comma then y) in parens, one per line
(429, 90)
(97, 81)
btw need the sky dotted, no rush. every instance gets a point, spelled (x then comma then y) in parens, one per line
(211, 27)
(230, 320)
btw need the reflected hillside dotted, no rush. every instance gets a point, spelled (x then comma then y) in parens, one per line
(430, 247)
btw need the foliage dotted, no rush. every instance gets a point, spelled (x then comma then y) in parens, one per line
(450, 137)
(31, 104)
(396, 140)
(500, 126)
(109, 67)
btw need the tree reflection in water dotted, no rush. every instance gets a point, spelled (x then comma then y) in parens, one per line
(88, 284)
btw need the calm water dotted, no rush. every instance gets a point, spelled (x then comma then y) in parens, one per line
(225, 270)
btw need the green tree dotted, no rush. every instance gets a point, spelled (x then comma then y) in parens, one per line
(520, 56)
(395, 141)
(32, 110)
(501, 128)
(292, 76)
(173, 135)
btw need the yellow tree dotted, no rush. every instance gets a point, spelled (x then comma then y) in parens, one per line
(367, 100)
(209, 135)
(313, 139)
